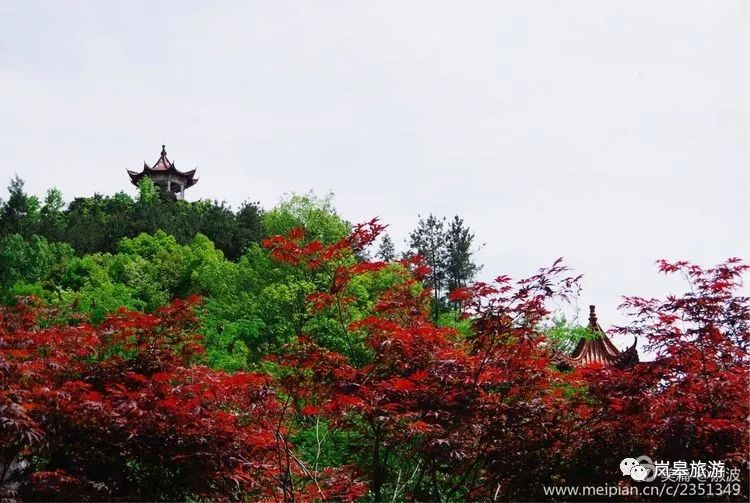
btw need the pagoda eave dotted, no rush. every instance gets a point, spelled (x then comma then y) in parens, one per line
(164, 174)
(597, 351)
(188, 177)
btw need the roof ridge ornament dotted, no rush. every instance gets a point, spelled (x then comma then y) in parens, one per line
(593, 322)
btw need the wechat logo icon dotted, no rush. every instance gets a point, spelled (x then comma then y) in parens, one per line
(627, 464)
(640, 469)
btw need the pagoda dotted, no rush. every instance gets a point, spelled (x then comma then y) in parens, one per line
(165, 175)
(598, 350)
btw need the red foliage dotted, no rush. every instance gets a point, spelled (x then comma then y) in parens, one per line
(444, 417)
(467, 416)
(118, 412)
(691, 402)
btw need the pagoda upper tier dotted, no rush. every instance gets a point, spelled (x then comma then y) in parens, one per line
(597, 350)
(164, 174)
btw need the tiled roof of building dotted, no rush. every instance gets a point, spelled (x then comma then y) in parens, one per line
(597, 350)
(163, 165)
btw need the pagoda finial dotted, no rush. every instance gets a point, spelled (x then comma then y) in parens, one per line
(164, 151)
(592, 317)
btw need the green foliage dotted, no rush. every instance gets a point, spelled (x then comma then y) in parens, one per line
(31, 260)
(447, 250)
(314, 214)
(96, 224)
(321, 445)
(146, 272)
(564, 336)
(428, 240)
(52, 221)
(460, 268)
(20, 214)
(452, 319)
(148, 193)
(261, 305)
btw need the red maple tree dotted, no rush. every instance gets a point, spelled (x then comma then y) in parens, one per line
(436, 415)
(119, 412)
(439, 416)
(691, 402)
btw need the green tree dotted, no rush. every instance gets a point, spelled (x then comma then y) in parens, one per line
(460, 268)
(262, 304)
(148, 193)
(314, 214)
(429, 241)
(386, 250)
(97, 223)
(250, 221)
(52, 220)
(31, 261)
(218, 222)
(20, 214)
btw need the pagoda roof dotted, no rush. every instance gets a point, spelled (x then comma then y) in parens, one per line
(597, 350)
(163, 165)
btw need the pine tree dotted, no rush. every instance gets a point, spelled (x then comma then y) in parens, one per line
(52, 220)
(460, 267)
(21, 212)
(387, 250)
(429, 241)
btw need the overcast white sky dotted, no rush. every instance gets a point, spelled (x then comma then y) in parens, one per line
(611, 133)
